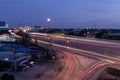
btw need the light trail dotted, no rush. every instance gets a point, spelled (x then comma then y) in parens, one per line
(81, 39)
(90, 52)
(91, 70)
(67, 75)
(104, 61)
(69, 63)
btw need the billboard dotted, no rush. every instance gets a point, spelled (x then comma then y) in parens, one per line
(2, 23)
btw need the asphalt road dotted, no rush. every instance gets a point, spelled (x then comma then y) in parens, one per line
(76, 65)
(71, 48)
(101, 48)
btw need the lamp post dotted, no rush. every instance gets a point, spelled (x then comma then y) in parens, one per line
(14, 52)
(48, 21)
(49, 37)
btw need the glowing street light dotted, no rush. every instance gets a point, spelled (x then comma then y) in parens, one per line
(48, 19)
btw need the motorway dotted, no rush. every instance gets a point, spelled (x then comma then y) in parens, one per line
(83, 58)
(101, 48)
(76, 65)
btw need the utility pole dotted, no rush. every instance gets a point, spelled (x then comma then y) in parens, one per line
(14, 53)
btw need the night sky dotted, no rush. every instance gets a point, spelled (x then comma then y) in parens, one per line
(63, 13)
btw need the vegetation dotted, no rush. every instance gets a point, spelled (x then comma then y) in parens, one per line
(25, 40)
(110, 74)
(100, 34)
(113, 71)
(7, 76)
(4, 32)
(45, 56)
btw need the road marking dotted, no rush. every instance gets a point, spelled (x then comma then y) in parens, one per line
(90, 52)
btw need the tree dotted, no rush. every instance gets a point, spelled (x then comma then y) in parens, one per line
(4, 32)
(7, 76)
(25, 37)
(100, 34)
(83, 33)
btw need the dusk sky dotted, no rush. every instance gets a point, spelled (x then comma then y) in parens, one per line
(63, 13)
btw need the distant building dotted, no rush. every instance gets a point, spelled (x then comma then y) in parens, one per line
(3, 25)
(37, 27)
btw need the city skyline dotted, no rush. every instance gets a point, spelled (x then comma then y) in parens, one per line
(63, 13)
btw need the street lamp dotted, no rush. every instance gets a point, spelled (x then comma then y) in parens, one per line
(49, 37)
(48, 21)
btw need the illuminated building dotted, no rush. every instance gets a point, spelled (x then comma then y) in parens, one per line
(3, 25)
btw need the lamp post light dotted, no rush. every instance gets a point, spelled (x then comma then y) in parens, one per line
(49, 37)
(48, 21)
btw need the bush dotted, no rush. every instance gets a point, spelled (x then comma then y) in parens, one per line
(113, 71)
(25, 37)
(7, 76)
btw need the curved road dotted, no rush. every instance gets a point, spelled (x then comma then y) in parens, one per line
(73, 67)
